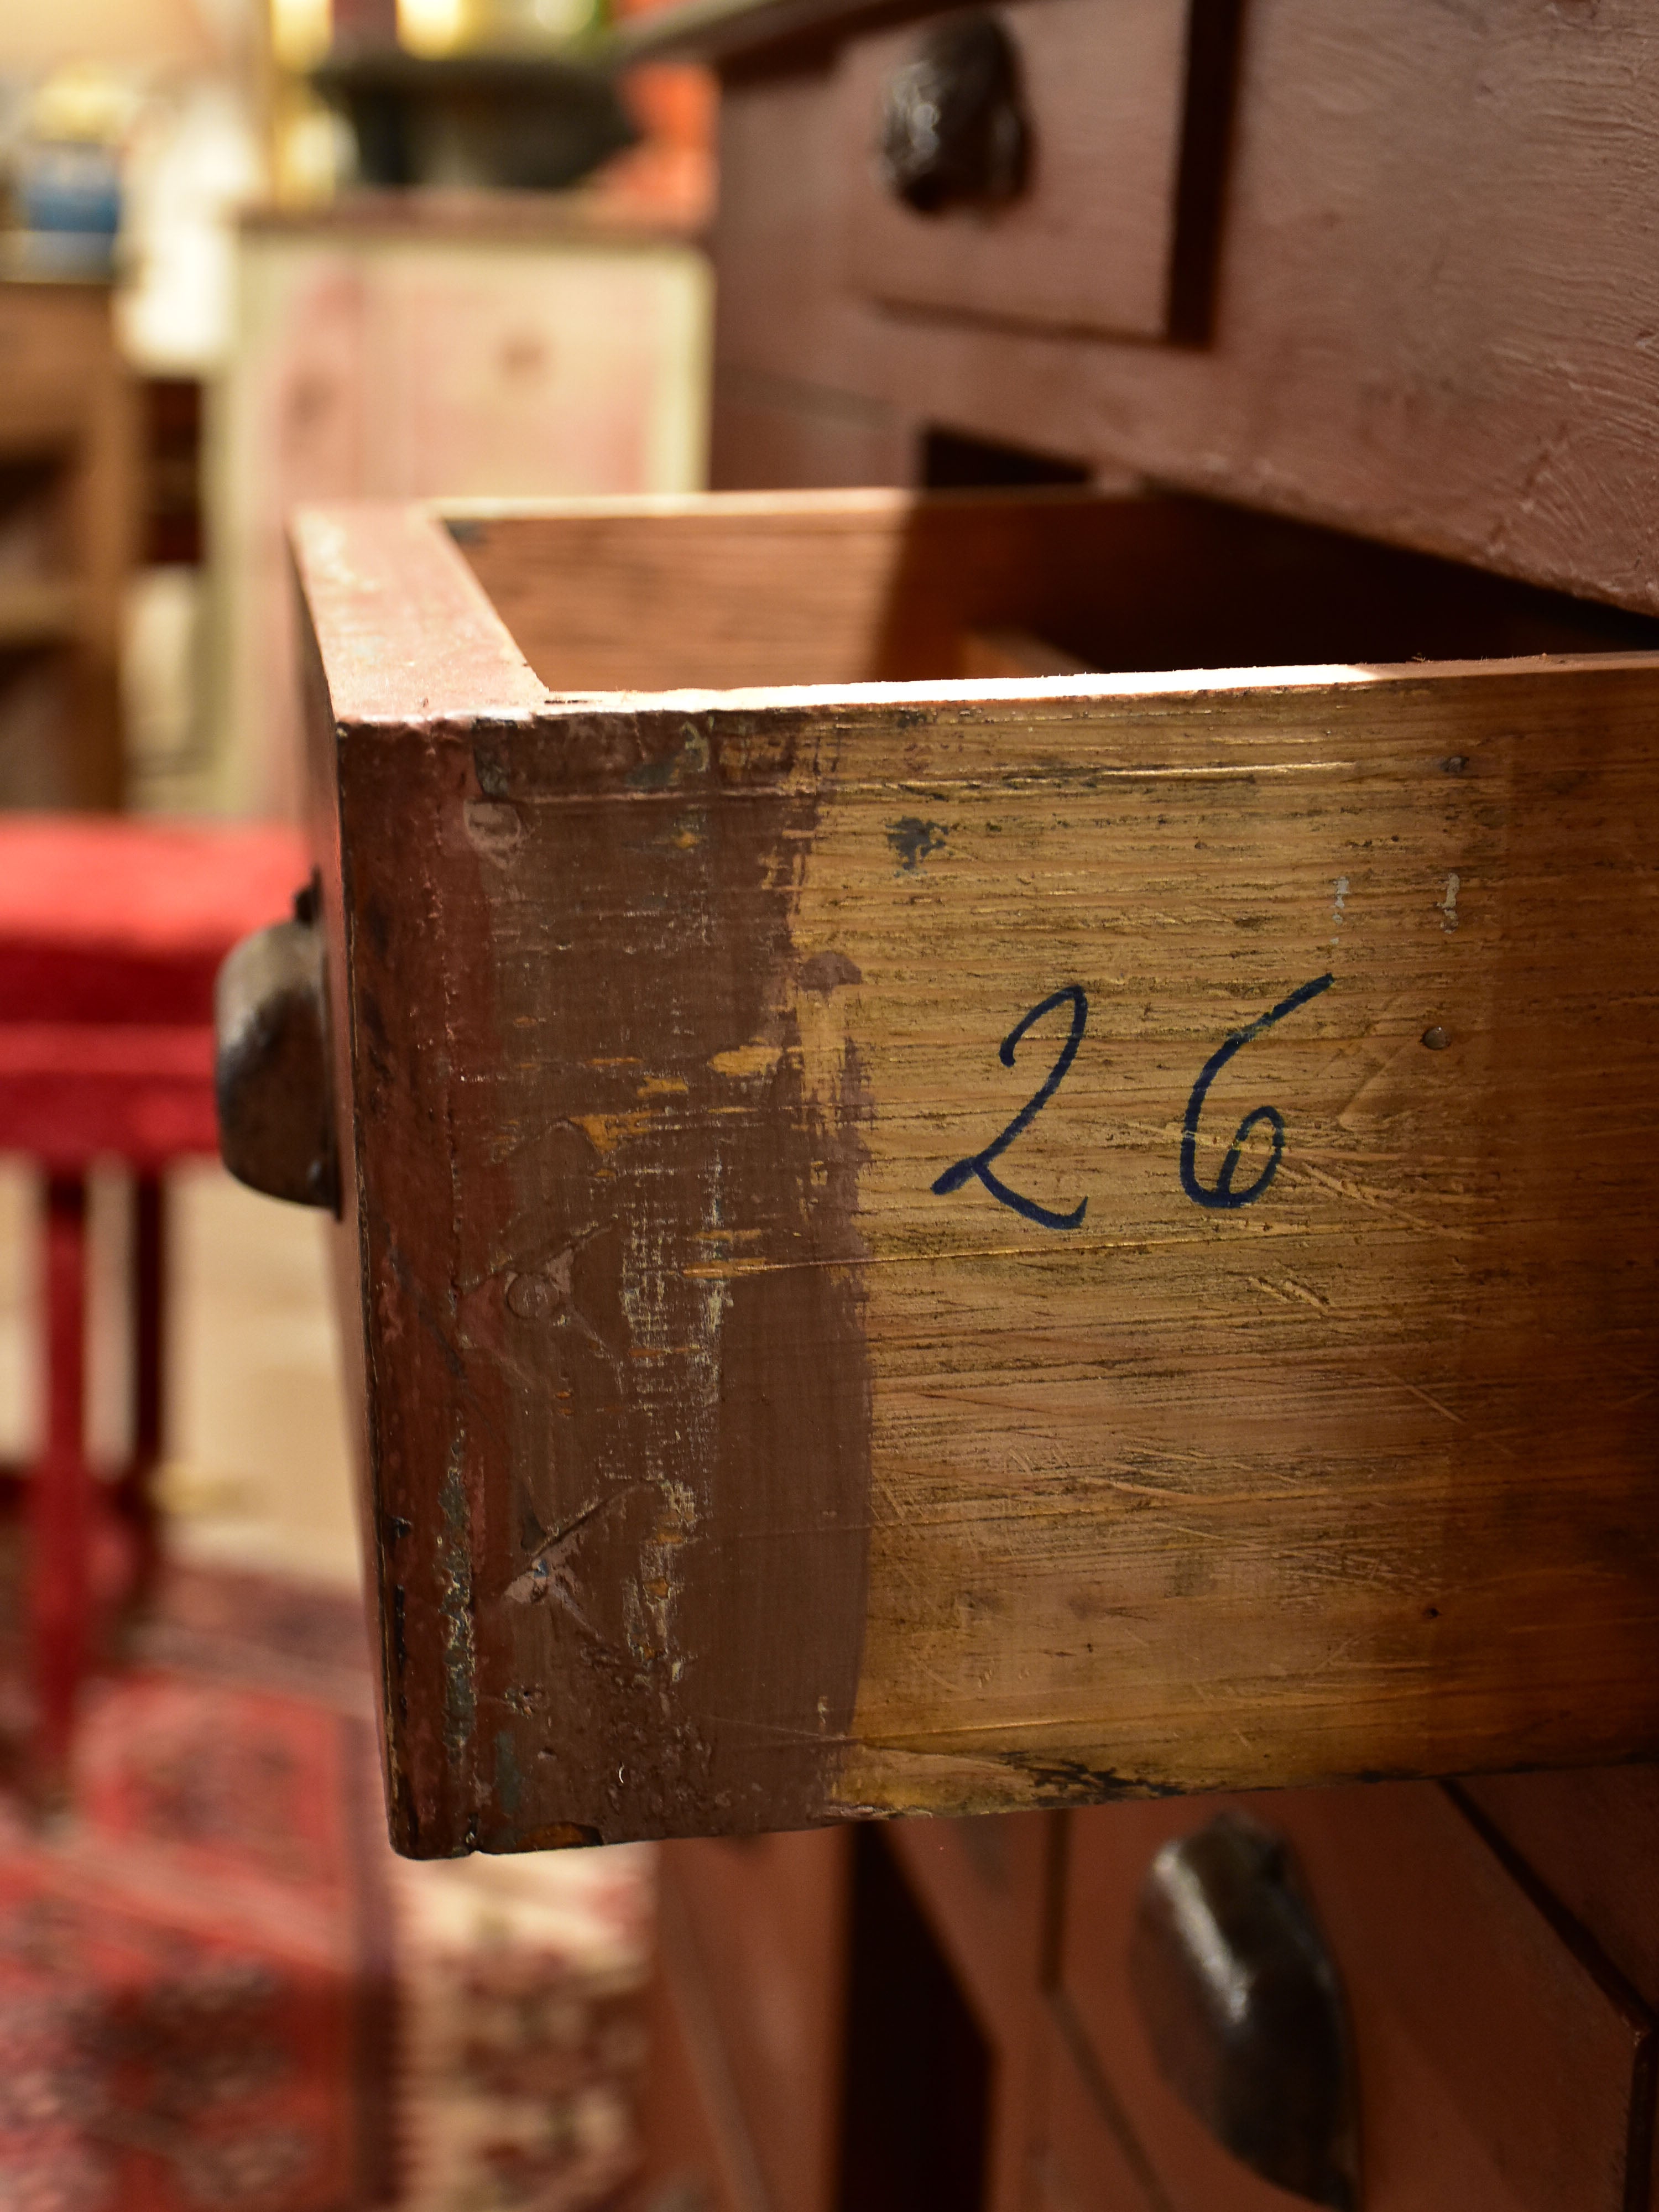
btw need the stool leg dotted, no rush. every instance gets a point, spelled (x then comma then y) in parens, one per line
(60, 1494)
(150, 1291)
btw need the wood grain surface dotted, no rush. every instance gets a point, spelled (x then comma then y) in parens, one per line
(755, 1439)
(855, 586)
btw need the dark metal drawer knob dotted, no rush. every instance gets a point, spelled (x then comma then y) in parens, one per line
(1243, 2009)
(951, 132)
(276, 1106)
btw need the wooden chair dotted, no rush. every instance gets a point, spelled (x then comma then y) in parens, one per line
(110, 934)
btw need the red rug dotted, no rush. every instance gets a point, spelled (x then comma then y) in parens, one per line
(195, 1975)
(220, 1992)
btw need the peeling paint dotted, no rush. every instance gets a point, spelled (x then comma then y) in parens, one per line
(455, 1603)
(604, 1132)
(493, 829)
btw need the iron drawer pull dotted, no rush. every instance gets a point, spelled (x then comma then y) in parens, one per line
(275, 1104)
(1242, 2006)
(952, 134)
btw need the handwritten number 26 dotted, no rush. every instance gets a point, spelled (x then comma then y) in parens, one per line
(1220, 1195)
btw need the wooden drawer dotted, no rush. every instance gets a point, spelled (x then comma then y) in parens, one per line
(930, 1247)
(1089, 240)
(1589, 1838)
(1494, 2068)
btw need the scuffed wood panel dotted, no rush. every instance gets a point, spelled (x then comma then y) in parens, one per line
(745, 1455)
(1283, 1481)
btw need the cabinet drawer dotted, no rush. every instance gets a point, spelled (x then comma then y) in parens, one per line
(1492, 2068)
(1589, 1838)
(930, 1246)
(1088, 239)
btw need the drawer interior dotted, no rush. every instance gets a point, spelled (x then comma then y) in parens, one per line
(882, 586)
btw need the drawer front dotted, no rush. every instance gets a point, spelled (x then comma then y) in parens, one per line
(765, 1919)
(1089, 240)
(958, 1247)
(1587, 1837)
(1493, 2069)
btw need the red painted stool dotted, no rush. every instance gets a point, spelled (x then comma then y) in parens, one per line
(111, 933)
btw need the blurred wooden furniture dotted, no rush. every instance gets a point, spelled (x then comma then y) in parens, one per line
(67, 539)
(945, 2014)
(171, 410)
(111, 935)
(408, 345)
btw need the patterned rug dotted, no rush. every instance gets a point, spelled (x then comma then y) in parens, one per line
(220, 1992)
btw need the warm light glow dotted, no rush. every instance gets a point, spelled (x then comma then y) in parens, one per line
(37, 35)
(300, 31)
(431, 26)
(306, 151)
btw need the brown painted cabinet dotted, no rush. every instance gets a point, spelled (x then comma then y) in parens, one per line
(1407, 295)
(1497, 2057)
(946, 1215)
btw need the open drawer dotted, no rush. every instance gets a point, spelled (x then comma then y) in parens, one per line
(932, 1244)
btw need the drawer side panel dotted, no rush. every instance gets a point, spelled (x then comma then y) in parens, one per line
(988, 1250)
